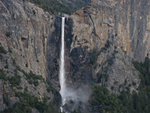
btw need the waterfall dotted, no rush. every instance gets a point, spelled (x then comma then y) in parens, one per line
(69, 95)
(62, 66)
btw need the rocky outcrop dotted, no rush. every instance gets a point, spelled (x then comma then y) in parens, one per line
(24, 31)
(113, 33)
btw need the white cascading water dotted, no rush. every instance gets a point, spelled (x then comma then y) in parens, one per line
(62, 66)
(67, 93)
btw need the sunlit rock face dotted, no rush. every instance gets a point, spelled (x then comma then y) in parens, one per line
(28, 27)
(116, 33)
(24, 31)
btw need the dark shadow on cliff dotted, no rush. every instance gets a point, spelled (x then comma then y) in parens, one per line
(52, 57)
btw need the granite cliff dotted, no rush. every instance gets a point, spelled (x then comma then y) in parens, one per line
(24, 32)
(102, 41)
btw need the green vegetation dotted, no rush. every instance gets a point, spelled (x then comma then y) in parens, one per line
(2, 50)
(8, 34)
(16, 80)
(102, 77)
(18, 108)
(52, 6)
(144, 69)
(6, 67)
(27, 102)
(3, 75)
(94, 55)
(5, 99)
(56, 7)
(13, 80)
(49, 88)
(31, 77)
(105, 102)
(78, 110)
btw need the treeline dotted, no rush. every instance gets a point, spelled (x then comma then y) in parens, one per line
(58, 8)
(105, 102)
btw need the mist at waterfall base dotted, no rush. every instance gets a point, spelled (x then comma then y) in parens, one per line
(76, 98)
(71, 97)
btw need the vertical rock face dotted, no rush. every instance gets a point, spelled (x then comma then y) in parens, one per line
(107, 37)
(24, 31)
(101, 41)
(127, 20)
(53, 49)
(24, 34)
